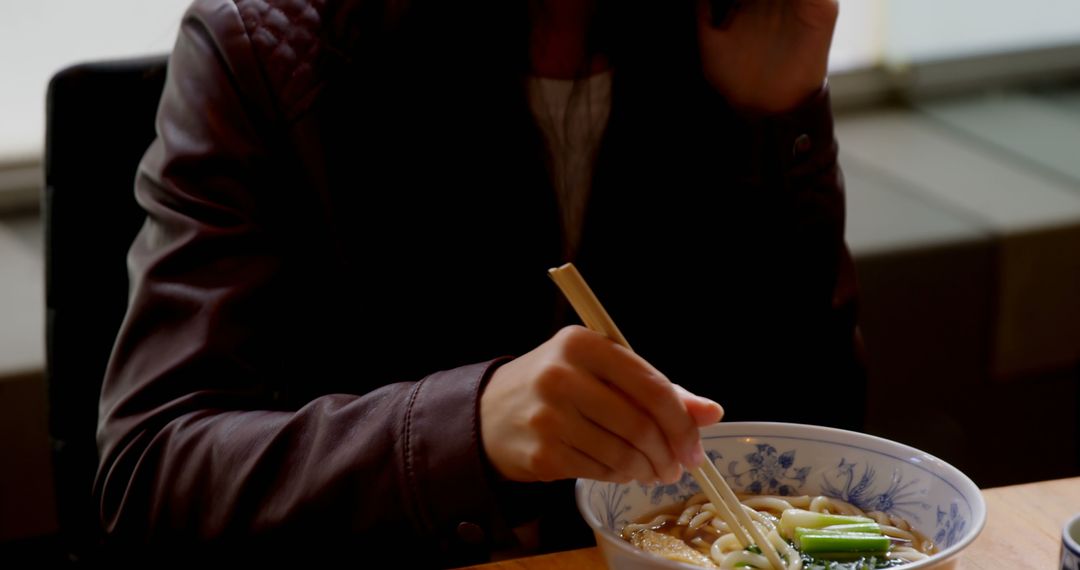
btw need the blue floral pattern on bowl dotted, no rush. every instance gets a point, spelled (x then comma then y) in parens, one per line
(1069, 560)
(765, 472)
(680, 490)
(950, 526)
(768, 473)
(898, 498)
(612, 510)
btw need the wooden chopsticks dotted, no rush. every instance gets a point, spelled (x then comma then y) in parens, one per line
(707, 476)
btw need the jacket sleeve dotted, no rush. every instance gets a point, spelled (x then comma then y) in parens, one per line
(788, 164)
(793, 156)
(771, 214)
(196, 447)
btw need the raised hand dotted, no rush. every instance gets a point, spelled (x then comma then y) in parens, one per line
(580, 405)
(768, 55)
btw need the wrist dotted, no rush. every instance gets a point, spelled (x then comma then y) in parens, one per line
(487, 406)
(779, 102)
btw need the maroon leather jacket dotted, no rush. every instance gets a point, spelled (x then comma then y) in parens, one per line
(339, 247)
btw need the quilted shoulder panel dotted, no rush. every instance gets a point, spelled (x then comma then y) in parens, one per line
(286, 36)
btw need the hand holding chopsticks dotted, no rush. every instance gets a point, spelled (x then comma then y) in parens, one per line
(579, 405)
(706, 475)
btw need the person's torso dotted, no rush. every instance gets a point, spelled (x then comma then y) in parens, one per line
(426, 222)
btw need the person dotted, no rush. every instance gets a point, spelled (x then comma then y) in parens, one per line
(341, 338)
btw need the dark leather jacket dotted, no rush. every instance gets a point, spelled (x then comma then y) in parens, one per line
(338, 249)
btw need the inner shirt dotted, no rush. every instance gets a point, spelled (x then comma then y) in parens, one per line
(572, 115)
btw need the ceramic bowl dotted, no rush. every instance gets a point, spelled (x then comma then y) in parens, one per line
(869, 472)
(1070, 544)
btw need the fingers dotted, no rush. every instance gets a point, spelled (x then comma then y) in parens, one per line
(565, 461)
(704, 411)
(600, 471)
(644, 385)
(629, 433)
(622, 458)
(582, 406)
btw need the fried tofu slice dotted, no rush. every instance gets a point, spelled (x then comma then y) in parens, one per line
(669, 547)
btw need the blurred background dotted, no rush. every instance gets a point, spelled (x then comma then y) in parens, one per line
(959, 127)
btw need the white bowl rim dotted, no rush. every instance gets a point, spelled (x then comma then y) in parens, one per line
(1067, 537)
(978, 502)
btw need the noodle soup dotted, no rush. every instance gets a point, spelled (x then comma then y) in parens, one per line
(822, 471)
(693, 533)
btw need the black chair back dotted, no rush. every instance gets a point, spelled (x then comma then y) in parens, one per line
(99, 122)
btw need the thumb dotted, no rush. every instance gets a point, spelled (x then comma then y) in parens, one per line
(704, 411)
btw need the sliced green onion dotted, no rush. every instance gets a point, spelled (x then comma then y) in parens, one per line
(819, 543)
(793, 518)
(870, 527)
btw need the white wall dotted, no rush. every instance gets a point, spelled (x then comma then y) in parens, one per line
(39, 37)
(932, 29)
(860, 34)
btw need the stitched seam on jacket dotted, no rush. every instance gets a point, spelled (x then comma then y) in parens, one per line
(474, 434)
(476, 386)
(410, 468)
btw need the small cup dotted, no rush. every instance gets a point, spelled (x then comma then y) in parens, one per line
(1070, 544)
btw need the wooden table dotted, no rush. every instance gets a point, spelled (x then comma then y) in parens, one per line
(1023, 530)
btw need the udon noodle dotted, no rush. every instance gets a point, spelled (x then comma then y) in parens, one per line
(694, 533)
